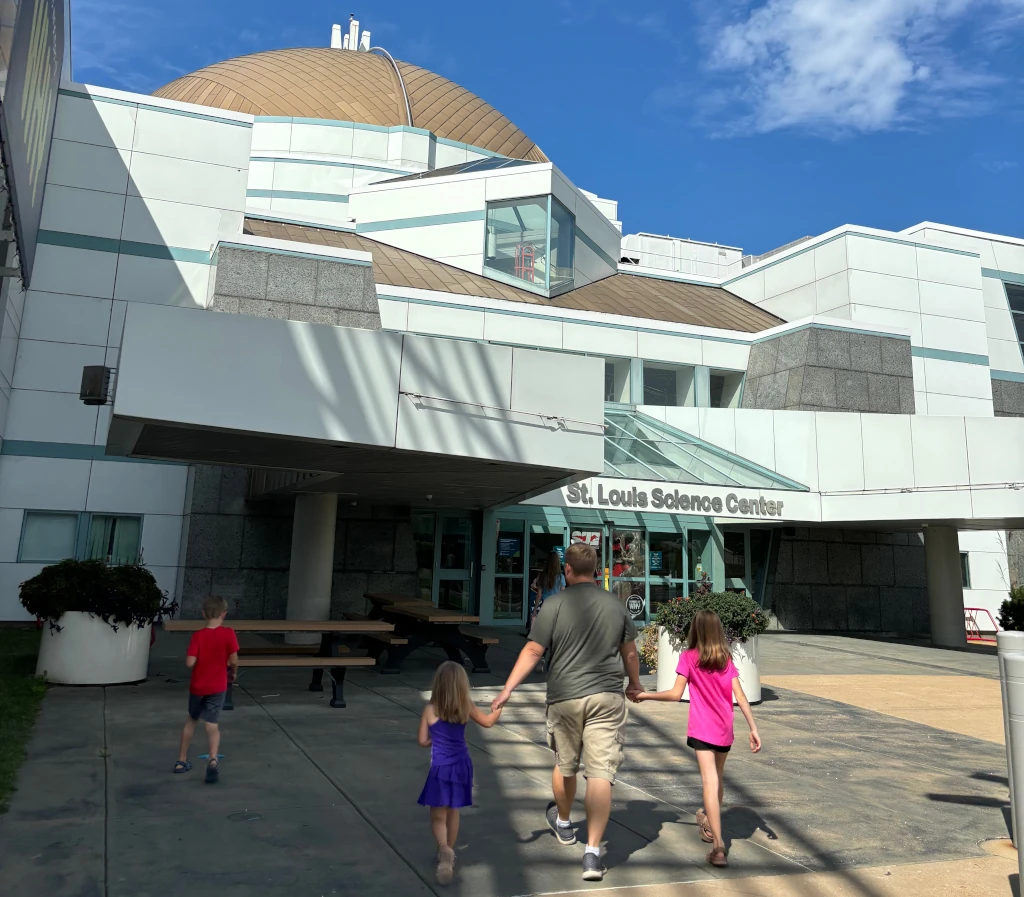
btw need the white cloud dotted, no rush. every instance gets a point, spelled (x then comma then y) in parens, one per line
(850, 65)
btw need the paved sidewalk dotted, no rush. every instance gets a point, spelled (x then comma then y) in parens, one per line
(319, 801)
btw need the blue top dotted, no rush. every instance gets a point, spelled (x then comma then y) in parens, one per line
(447, 743)
(554, 590)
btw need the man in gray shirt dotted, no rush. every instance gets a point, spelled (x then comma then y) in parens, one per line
(591, 637)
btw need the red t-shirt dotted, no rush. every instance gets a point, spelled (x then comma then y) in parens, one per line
(211, 647)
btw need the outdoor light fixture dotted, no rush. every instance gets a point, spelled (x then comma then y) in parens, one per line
(95, 384)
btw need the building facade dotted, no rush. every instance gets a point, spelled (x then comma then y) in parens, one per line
(362, 335)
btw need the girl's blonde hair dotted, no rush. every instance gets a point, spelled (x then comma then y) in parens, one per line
(450, 695)
(707, 635)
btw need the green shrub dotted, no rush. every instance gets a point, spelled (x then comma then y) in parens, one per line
(122, 595)
(647, 647)
(1011, 611)
(741, 616)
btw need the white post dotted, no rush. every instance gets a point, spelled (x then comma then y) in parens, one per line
(1008, 642)
(312, 562)
(1013, 668)
(335, 37)
(945, 587)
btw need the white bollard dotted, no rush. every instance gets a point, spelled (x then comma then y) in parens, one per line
(1013, 668)
(1007, 642)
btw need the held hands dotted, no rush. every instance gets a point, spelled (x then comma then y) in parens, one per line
(500, 701)
(635, 692)
(755, 741)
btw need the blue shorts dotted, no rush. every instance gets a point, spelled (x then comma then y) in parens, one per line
(206, 707)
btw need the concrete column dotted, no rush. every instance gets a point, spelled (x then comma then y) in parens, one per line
(312, 562)
(945, 587)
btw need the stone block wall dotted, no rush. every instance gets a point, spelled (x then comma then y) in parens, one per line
(850, 581)
(275, 285)
(240, 550)
(1008, 398)
(817, 369)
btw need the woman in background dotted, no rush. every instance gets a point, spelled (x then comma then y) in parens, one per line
(549, 581)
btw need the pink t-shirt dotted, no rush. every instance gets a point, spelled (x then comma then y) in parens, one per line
(710, 699)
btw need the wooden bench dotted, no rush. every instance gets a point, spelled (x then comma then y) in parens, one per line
(265, 650)
(336, 668)
(479, 639)
(385, 638)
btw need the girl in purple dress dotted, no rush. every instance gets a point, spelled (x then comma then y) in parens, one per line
(450, 780)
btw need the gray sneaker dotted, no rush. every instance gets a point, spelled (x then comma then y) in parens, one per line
(593, 868)
(565, 835)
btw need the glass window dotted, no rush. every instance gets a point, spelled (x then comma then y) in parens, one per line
(453, 594)
(563, 240)
(698, 554)
(455, 538)
(1015, 298)
(48, 538)
(629, 569)
(735, 551)
(965, 569)
(726, 388)
(760, 544)
(668, 384)
(517, 239)
(616, 380)
(423, 539)
(509, 567)
(116, 540)
(666, 558)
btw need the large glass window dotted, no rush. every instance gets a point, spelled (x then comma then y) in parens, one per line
(616, 380)
(629, 570)
(668, 384)
(116, 540)
(698, 555)
(48, 538)
(509, 586)
(734, 550)
(531, 240)
(725, 389)
(423, 527)
(1015, 298)
(666, 564)
(965, 569)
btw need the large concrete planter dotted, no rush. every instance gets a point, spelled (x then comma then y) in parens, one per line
(744, 656)
(87, 651)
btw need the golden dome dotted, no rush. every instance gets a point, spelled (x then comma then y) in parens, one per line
(354, 86)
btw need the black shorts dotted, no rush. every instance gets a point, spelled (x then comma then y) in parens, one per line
(206, 707)
(699, 745)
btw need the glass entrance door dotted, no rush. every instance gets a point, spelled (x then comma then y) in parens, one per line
(454, 565)
(543, 541)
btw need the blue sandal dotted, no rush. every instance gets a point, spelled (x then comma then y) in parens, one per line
(182, 766)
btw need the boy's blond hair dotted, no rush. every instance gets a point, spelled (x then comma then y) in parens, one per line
(450, 696)
(213, 607)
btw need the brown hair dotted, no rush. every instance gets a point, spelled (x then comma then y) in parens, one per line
(582, 558)
(449, 695)
(552, 570)
(707, 635)
(214, 606)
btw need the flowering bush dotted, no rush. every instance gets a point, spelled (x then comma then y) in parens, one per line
(647, 647)
(741, 616)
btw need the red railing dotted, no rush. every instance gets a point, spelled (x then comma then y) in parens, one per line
(971, 623)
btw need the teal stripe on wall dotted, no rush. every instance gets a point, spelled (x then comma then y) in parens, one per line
(946, 355)
(297, 194)
(424, 221)
(597, 250)
(1008, 375)
(1008, 276)
(352, 165)
(68, 450)
(125, 247)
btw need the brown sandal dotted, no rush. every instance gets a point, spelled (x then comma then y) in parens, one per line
(716, 857)
(706, 835)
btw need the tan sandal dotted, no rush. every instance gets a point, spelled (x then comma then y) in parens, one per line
(445, 865)
(717, 857)
(706, 835)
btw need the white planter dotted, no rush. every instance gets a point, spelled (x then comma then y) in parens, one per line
(87, 651)
(744, 656)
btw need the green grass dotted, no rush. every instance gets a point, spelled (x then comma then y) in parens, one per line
(21, 695)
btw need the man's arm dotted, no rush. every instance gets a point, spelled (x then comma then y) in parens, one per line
(528, 658)
(190, 661)
(631, 661)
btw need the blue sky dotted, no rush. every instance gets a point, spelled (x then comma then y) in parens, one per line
(745, 123)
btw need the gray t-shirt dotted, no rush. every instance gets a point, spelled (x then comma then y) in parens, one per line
(583, 627)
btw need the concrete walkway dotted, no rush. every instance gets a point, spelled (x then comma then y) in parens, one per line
(319, 801)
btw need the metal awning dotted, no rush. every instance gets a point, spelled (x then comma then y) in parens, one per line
(639, 447)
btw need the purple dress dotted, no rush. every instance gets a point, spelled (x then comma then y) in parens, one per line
(450, 780)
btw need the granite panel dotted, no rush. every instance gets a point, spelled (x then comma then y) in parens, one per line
(794, 390)
(844, 564)
(832, 349)
(908, 404)
(214, 540)
(312, 314)
(205, 488)
(771, 391)
(196, 585)
(792, 349)
(866, 353)
(226, 304)
(363, 320)
(266, 542)
(897, 610)
(896, 358)
(793, 606)
(1008, 398)
(242, 273)
(830, 608)
(863, 609)
(910, 569)
(347, 591)
(292, 279)
(275, 603)
(243, 590)
(877, 565)
(370, 546)
(350, 287)
(761, 360)
(262, 308)
(819, 387)
(784, 562)
(883, 394)
(852, 391)
(810, 563)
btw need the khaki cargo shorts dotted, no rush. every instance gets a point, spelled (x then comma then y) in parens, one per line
(591, 729)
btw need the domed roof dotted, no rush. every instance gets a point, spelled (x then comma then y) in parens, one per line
(351, 86)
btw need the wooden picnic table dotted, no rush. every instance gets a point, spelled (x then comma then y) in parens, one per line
(417, 624)
(327, 656)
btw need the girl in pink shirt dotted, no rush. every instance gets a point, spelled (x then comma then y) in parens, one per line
(708, 668)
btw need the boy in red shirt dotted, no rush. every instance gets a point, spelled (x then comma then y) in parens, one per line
(210, 652)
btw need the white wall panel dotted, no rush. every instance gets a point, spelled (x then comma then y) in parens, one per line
(417, 199)
(162, 282)
(117, 313)
(685, 419)
(840, 452)
(46, 484)
(11, 577)
(953, 335)
(954, 378)
(750, 288)
(10, 535)
(987, 441)
(394, 314)
(50, 417)
(184, 137)
(920, 402)
(674, 349)
(888, 451)
(832, 292)
(456, 322)
(465, 371)
(271, 136)
(258, 202)
(90, 167)
(323, 139)
(884, 291)
(56, 367)
(962, 242)
(933, 467)
(599, 340)
(127, 487)
(369, 144)
(445, 155)
(312, 178)
(542, 332)
(93, 121)
(917, 366)
(534, 373)
(193, 183)
(261, 177)
(983, 540)
(830, 258)
(308, 209)
(1009, 257)
(951, 301)
(77, 211)
(8, 350)
(948, 267)
(999, 324)
(718, 426)
(725, 356)
(522, 184)
(993, 293)
(79, 272)
(438, 241)
(66, 319)
(796, 453)
(755, 436)
(794, 305)
(888, 317)
(959, 406)
(789, 274)
(881, 256)
(1004, 355)
(176, 224)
